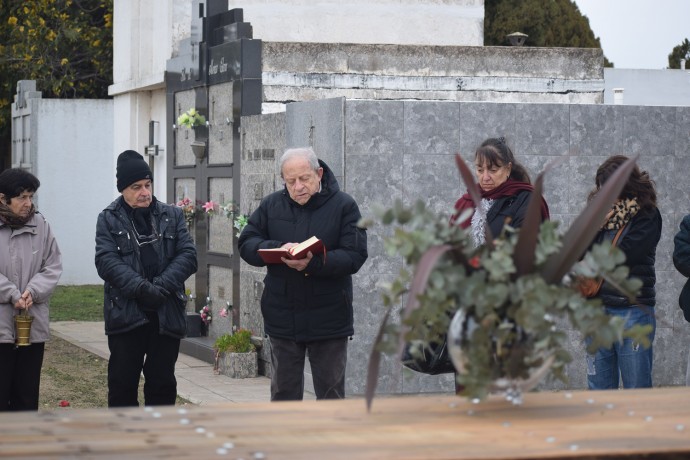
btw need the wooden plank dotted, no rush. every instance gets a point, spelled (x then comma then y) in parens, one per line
(582, 425)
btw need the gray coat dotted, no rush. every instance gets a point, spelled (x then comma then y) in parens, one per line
(29, 259)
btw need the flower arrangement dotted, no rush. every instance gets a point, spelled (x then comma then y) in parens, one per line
(225, 311)
(206, 313)
(507, 294)
(239, 222)
(191, 119)
(188, 209)
(228, 210)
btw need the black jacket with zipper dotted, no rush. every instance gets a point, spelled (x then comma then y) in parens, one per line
(315, 304)
(119, 265)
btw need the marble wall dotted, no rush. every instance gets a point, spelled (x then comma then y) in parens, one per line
(387, 150)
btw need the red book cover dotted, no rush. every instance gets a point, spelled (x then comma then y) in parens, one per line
(299, 251)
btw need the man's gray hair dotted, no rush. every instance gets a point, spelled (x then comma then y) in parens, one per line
(304, 152)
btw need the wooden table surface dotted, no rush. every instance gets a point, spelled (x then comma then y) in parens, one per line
(586, 425)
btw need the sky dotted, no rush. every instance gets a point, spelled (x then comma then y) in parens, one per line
(638, 34)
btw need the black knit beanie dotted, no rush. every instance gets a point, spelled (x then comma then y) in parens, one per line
(131, 167)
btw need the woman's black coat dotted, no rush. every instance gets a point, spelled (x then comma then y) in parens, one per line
(638, 241)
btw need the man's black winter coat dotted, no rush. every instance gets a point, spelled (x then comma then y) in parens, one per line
(315, 304)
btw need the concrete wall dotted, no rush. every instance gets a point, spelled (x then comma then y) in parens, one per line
(144, 37)
(668, 87)
(73, 141)
(309, 71)
(405, 22)
(387, 150)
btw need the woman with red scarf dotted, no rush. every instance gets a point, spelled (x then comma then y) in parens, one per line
(505, 189)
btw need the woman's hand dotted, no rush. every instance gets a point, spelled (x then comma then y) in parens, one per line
(25, 301)
(28, 299)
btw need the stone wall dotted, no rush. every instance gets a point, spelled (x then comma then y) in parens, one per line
(310, 71)
(67, 144)
(387, 150)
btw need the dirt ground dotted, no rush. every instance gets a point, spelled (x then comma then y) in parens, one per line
(75, 378)
(74, 375)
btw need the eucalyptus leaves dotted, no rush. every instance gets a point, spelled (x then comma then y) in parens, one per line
(516, 289)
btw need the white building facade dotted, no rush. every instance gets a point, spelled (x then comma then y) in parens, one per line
(148, 33)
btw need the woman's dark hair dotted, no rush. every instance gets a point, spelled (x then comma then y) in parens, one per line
(495, 152)
(638, 186)
(15, 181)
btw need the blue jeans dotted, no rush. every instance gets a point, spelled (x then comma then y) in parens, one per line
(625, 360)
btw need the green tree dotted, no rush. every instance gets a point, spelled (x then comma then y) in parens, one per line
(679, 52)
(65, 45)
(548, 23)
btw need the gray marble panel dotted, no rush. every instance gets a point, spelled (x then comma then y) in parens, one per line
(374, 180)
(664, 250)
(682, 133)
(374, 127)
(185, 188)
(318, 124)
(220, 131)
(251, 287)
(379, 261)
(667, 311)
(431, 127)
(219, 292)
(255, 187)
(669, 363)
(184, 100)
(670, 176)
(649, 130)
(434, 179)
(368, 314)
(262, 143)
(541, 129)
(580, 172)
(554, 191)
(189, 288)
(220, 225)
(596, 130)
(482, 120)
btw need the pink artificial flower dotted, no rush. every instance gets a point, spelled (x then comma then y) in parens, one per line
(209, 206)
(224, 313)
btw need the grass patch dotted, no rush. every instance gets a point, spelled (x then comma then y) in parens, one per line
(77, 303)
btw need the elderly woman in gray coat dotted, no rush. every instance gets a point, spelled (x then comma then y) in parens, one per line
(30, 267)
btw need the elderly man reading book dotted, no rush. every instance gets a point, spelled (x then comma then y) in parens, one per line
(307, 301)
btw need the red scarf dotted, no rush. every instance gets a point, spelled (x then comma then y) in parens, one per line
(508, 188)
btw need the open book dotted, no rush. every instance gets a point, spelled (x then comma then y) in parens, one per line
(299, 251)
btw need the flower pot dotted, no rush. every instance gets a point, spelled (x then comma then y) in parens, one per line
(23, 330)
(199, 149)
(239, 365)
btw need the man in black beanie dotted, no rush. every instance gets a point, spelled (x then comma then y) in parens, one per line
(144, 253)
